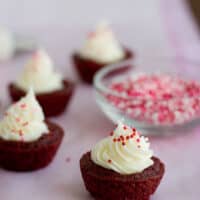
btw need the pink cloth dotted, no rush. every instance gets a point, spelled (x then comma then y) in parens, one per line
(84, 125)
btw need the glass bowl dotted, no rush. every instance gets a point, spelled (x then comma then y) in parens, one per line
(142, 111)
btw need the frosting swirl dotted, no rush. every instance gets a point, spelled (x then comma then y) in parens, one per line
(24, 120)
(39, 74)
(102, 46)
(125, 152)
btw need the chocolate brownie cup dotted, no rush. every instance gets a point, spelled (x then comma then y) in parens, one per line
(53, 103)
(101, 49)
(53, 92)
(122, 167)
(29, 156)
(137, 186)
(87, 67)
(27, 141)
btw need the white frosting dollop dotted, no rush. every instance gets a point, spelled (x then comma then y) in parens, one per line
(102, 46)
(40, 75)
(125, 152)
(24, 120)
(7, 46)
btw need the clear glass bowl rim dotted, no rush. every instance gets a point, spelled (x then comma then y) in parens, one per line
(100, 87)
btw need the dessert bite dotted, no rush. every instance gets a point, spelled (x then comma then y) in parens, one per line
(27, 141)
(53, 92)
(100, 49)
(122, 166)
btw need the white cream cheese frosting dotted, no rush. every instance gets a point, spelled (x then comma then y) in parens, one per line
(40, 75)
(125, 151)
(24, 120)
(102, 46)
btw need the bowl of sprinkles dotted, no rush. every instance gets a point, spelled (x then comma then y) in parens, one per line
(151, 93)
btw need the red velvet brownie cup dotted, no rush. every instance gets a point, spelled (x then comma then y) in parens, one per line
(101, 48)
(27, 141)
(122, 166)
(52, 91)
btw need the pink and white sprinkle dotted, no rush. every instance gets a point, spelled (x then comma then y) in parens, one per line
(158, 99)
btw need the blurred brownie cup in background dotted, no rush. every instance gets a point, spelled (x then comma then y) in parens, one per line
(53, 92)
(101, 48)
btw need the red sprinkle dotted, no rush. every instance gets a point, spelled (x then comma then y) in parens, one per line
(138, 140)
(109, 161)
(125, 127)
(122, 137)
(23, 105)
(123, 143)
(18, 119)
(127, 137)
(132, 135)
(20, 132)
(91, 34)
(25, 124)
